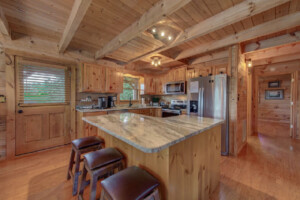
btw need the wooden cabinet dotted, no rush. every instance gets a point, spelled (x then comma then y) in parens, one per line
(149, 85)
(114, 80)
(179, 74)
(159, 85)
(170, 77)
(100, 79)
(190, 74)
(85, 129)
(222, 69)
(203, 71)
(92, 78)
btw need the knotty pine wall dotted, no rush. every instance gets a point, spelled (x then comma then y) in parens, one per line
(2, 107)
(274, 115)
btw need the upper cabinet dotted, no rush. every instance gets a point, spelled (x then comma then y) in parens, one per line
(159, 85)
(179, 74)
(100, 79)
(149, 84)
(114, 80)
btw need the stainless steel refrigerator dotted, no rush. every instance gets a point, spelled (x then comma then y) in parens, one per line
(208, 97)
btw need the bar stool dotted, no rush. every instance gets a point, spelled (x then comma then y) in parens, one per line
(81, 146)
(99, 164)
(131, 183)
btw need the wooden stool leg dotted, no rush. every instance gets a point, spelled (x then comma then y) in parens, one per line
(76, 174)
(83, 184)
(71, 163)
(94, 180)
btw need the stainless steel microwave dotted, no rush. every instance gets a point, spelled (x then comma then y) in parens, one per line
(175, 87)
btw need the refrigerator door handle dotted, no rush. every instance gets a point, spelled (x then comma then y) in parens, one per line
(200, 104)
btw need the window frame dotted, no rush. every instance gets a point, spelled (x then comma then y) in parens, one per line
(139, 88)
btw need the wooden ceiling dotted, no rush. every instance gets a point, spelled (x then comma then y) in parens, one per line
(105, 20)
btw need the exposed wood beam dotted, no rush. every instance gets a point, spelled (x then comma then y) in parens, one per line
(210, 57)
(227, 17)
(272, 42)
(4, 28)
(274, 52)
(79, 10)
(160, 10)
(277, 59)
(282, 23)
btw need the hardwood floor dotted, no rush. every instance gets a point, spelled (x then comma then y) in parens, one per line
(269, 168)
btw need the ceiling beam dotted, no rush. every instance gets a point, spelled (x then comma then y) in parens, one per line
(227, 17)
(210, 57)
(282, 23)
(274, 52)
(277, 59)
(160, 10)
(4, 28)
(272, 42)
(79, 10)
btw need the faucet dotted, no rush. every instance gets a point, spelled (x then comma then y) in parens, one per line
(130, 104)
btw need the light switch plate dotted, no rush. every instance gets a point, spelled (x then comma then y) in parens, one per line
(2, 99)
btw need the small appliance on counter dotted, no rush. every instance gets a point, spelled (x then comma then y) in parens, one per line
(102, 102)
(111, 101)
(174, 109)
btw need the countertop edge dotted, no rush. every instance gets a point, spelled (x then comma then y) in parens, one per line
(115, 109)
(156, 149)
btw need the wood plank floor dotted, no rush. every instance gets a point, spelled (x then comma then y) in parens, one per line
(269, 168)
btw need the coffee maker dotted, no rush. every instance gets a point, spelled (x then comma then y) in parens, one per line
(111, 101)
(102, 102)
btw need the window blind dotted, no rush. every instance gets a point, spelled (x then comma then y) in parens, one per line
(43, 85)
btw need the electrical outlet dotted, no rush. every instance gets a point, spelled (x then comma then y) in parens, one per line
(2, 99)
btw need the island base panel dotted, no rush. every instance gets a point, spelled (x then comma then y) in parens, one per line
(187, 170)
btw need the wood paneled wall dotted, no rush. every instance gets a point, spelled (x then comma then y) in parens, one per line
(273, 117)
(280, 123)
(2, 107)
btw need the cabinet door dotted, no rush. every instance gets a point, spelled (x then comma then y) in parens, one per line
(170, 77)
(190, 74)
(149, 85)
(159, 85)
(179, 74)
(93, 78)
(202, 71)
(222, 69)
(114, 80)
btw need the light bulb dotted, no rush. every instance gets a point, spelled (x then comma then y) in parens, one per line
(162, 34)
(159, 62)
(153, 30)
(152, 63)
(155, 64)
(170, 38)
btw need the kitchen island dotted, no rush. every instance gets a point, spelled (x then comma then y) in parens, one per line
(183, 152)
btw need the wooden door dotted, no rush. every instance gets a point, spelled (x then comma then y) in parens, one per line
(93, 78)
(40, 128)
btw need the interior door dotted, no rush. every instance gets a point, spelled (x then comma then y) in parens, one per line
(39, 128)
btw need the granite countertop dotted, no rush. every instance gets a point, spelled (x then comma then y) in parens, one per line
(117, 108)
(151, 134)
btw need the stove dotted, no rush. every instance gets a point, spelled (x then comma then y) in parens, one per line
(174, 109)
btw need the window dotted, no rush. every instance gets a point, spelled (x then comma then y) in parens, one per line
(40, 85)
(130, 88)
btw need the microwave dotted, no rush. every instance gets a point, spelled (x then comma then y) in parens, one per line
(175, 88)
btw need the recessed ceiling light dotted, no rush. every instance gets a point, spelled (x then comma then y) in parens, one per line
(170, 38)
(154, 30)
(162, 34)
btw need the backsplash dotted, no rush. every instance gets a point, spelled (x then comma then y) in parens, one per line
(94, 97)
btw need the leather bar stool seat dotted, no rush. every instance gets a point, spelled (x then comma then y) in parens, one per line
(86, 142)
(79, 147)
(132, 183)
(99, 164)
(103, 157)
